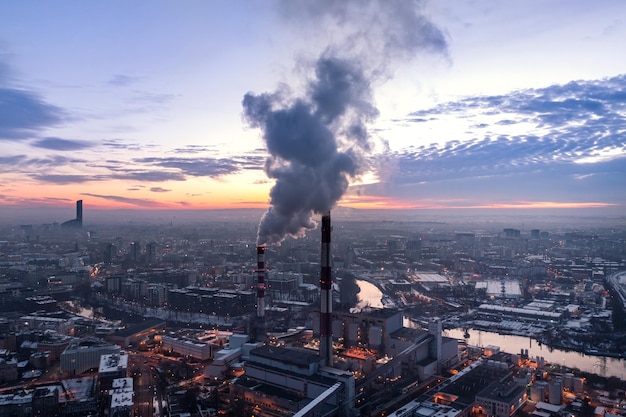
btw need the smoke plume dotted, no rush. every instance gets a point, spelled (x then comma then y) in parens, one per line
(319, 142)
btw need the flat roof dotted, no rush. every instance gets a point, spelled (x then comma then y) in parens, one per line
(502, 392)
(113, 362)
(122, 383)
(513, 310)
(430, 277)
(298, 357)
(123, 399)
(468, 384)
(78, 389)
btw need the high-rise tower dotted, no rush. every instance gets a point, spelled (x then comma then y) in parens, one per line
(79, 213)
(78, 221)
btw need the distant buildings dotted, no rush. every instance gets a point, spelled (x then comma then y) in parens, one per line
(69, 398)
(137, 333)
(78, 221)
(187, 347)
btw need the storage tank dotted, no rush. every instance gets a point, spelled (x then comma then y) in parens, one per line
(578, 385)
(568, 381)
(555, 391)
(538, 391)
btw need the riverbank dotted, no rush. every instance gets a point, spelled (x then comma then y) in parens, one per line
(595, 364)
(591, 344)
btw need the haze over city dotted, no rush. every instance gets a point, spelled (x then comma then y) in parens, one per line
(170, 106)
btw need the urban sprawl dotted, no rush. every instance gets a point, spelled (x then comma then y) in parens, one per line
(177, 319)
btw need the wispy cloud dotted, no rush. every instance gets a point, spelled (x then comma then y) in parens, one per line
(63, 179)
(147, 176)
(205, 166)
(121, 80)
(563, 142)
(120, 199)
(194, 149)
(159, 190)
(23, 114)
(32, 165)
(152, 98)
(59, 144)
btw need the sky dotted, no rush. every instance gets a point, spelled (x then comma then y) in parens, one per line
(302, 106)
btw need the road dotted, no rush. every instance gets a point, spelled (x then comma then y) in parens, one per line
(147, 390)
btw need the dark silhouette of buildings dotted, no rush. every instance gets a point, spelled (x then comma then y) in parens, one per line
(78, 221)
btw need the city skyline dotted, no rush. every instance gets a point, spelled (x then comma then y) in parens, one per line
(140, 106)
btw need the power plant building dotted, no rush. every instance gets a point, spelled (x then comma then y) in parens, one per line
(281, 380)
(369, 328)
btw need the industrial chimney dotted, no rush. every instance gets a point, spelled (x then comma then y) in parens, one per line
(260, 293)
(326, 282)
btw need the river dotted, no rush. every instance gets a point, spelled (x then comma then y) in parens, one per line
(371, 296)
(600, 365)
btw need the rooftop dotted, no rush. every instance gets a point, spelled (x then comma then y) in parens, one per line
(299, 357)
(113, 362)
(124, 399)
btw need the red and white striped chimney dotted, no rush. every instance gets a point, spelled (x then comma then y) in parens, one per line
(260, 276)
(326, 282)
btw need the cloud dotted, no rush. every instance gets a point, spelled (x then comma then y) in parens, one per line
(63, 179)
(205, 166)
(8, 163)
(24, 164)
(152, 98)
(121, 80)
(159, 190)
(194, 149)
(54, 168)
(59, 144)
(126, 200)
(23, 114)
(148, 176)
(559, 142)
(120, 144)
(34, 201)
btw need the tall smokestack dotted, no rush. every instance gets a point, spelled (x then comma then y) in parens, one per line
(326, 282)
(260, 289)
(260, 294)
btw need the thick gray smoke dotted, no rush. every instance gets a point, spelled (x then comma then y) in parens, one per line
(309, 163)
(318, 142)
